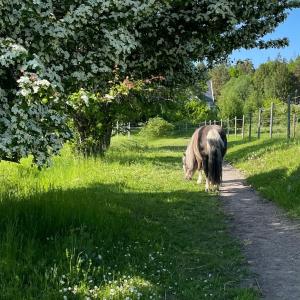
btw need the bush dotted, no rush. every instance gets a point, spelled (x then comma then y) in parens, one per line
(156, 127)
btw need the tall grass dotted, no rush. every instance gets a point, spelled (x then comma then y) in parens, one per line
(126, 226)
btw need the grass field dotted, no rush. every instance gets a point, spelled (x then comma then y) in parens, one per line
(124, 227)
(272, 166)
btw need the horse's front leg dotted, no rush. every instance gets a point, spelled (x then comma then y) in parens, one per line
(207, 185)
(199, 181)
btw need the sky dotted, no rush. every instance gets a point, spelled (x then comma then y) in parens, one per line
(290, 28)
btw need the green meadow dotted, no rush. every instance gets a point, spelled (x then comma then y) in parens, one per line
(126, 226)
(272, 166)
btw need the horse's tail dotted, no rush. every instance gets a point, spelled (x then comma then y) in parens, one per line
(215, 147)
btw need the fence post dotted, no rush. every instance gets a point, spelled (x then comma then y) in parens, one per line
(271, 119)
(294, 125)
(250, 125)
(259, 123)
(209, 122)
(129, 129)
(228, 126)
(221, 122)
(289, 118)
(186, 127)
(214, 122)
(243, 127)
(117, 128)
(205, 123)
(235, 124)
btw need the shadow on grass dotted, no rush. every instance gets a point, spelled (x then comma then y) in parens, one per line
(182, 232)
(279, 186)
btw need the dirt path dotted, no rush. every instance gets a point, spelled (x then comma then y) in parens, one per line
(271, 241)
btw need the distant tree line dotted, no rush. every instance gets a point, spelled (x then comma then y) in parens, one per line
(240, 89)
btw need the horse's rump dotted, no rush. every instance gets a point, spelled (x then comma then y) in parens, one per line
(213, 145)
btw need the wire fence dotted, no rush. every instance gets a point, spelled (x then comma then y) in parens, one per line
(275, 121)
(272, 122)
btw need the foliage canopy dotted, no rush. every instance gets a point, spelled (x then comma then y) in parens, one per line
(77, 44)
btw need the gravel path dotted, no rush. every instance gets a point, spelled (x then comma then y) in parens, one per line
(271, 241)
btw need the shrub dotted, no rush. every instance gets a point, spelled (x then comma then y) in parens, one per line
(156, 127)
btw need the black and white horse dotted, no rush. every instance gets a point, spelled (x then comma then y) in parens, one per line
(206, 151)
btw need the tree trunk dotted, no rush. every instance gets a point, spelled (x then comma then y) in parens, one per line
(91, 141)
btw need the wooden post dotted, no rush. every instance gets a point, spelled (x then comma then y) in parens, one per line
(214, 122)
(221, 123)
(129, 129)
(235, 125)
(205, 123)
(209, 122)
(243, 127)
(250, 125)
(271, 120)
(259, 123)
(228, 127)
(289, 118)
(117, 128)
(294, 125)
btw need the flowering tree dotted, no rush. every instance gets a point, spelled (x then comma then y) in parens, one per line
(30, 118)
(77, 44)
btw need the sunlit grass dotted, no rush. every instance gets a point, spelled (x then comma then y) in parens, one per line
(272, 166)
(123, 227)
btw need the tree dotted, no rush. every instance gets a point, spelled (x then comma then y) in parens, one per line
(77, 44)
(242, 67)
(273, 80)
(294, 68)
(30, 117)
(234, 96)
(197, 110)
(219, 76)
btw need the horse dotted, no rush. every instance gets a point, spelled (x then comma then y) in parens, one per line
(206, 151)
